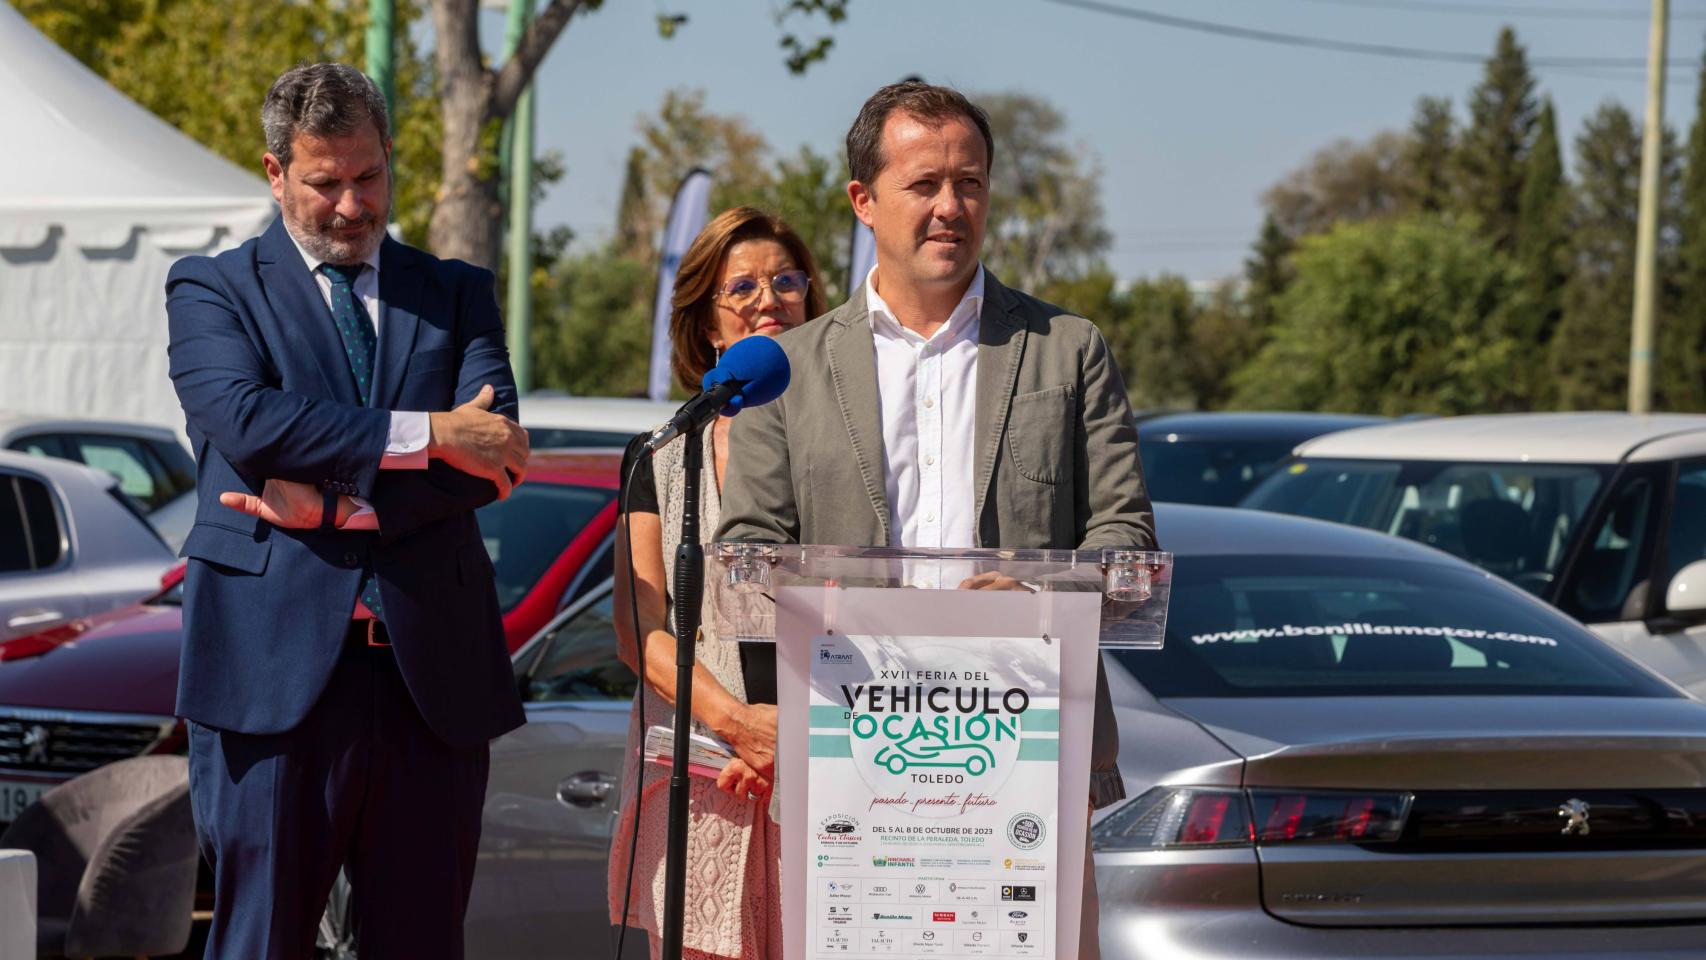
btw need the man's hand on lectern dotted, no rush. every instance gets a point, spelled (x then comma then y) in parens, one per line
(992, 580)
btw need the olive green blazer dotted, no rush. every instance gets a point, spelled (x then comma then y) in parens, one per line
(1056, 449)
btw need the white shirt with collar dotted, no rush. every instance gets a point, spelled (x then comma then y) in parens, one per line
(406, 444)
(411, 430)
(927, 395)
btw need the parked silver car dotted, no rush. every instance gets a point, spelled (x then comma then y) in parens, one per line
(1352, 746)
(1356, 746)
(149, 462)
(71, 544)
(551, 801)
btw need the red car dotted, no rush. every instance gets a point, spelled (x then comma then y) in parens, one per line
(102, 688)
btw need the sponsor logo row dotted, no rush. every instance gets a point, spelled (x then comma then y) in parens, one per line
(906, 891)
(903, 942)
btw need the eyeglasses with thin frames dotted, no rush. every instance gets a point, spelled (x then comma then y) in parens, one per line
(789, 286)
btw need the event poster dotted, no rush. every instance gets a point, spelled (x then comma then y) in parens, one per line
(934, 794)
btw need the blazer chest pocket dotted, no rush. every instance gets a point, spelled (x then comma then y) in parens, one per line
(1039, 428)
(225, 547)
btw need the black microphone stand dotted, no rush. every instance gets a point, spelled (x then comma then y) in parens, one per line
(689, 589)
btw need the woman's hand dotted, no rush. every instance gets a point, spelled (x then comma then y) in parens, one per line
(752, 732)
(738, 779)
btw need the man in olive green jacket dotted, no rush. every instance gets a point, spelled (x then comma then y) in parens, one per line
(937, 407)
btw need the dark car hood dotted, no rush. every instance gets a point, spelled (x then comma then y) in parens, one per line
(126, 663)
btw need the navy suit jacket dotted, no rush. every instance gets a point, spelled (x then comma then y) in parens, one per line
(266, 389)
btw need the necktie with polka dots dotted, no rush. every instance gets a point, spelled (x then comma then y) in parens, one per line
(360, 341)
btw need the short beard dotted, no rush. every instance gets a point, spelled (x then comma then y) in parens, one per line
(322, 246)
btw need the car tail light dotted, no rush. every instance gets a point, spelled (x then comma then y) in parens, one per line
(1195, 817)
(1315, 816)
(1171, 817)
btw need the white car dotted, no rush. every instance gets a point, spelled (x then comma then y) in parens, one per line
(1601, 514)
(150, 462)
(554, 421)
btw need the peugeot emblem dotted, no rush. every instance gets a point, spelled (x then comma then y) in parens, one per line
(35, 744)
(1575, 813)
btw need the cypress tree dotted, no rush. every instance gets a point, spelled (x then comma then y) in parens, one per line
(1683, 345)
(1590, 351)
(1490, 161)
(1543, 238)
(1428, 157)
(1267, 272)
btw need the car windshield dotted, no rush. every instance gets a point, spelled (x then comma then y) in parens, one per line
(1265, 626)
(1217, 473)
(528, 532)
(1511, 519)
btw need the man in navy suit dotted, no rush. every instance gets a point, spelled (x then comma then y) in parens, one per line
(350, 402)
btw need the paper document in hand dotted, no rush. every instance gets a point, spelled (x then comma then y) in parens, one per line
(706, 755)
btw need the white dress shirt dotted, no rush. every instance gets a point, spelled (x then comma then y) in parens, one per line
(927, 394)
(411, 430)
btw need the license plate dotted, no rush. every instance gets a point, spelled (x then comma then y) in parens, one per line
(15, 795)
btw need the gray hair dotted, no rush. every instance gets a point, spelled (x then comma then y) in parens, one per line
(321, 100)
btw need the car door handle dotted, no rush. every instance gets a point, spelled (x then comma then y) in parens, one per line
(589, 788)
(33, 618)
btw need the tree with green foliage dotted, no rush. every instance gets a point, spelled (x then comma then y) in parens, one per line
(1045, 208)
(1492, 157)
(1589, 355)
(1094, 295)
(476, 98)
(592, 324)
(1225, 335)
(1153, 346)
(1416, 314)
(1428, 157)
(592, 328)
(204, 66)
(1682, 344)
(1543, 241)
(681, 136)
(1344, 182)
(1267, 272)
(809, 191)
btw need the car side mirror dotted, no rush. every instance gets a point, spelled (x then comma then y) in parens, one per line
(1685, 598)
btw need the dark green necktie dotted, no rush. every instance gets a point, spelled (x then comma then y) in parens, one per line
(356, 329)
(354, 325)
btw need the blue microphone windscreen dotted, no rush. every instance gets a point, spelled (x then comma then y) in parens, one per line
(760, 363)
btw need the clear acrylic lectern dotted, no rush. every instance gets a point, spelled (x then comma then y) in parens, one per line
(935, 717)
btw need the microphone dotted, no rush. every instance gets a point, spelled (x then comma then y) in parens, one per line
(752, 373)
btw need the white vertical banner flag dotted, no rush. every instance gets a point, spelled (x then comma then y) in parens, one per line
(687, 217)
(861, 255)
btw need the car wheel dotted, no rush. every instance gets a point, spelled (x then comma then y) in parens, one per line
(896, 764)
(976, 765)
(336, 939)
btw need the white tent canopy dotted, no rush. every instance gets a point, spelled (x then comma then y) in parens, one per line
(97, 198)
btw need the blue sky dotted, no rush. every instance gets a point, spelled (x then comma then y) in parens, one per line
(1188, 129)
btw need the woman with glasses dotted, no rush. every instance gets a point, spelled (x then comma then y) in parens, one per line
(747, 274)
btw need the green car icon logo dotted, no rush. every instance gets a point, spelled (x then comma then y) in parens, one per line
(931, 750)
